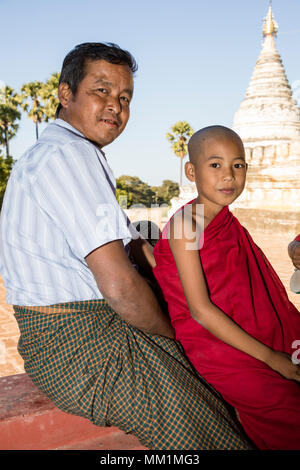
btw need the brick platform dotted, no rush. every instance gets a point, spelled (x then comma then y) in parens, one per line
(30, 421)
(10, 361)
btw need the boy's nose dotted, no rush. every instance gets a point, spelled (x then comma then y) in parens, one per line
(228, 175)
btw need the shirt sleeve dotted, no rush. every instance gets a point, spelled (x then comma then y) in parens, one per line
(75, 190)
(297, 239)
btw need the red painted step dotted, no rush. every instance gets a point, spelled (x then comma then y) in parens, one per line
(114, 441)
(29, 420)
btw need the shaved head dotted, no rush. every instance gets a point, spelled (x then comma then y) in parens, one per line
(198, 140)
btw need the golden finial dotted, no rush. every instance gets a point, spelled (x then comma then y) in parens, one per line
(270, 27)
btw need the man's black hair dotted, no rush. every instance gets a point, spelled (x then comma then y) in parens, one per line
(73, 68)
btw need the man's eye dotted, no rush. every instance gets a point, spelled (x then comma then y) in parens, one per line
(124, 98)
(102, 90)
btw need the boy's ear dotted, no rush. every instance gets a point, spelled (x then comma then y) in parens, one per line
(246, 166)
(189, 169)
(64, 94)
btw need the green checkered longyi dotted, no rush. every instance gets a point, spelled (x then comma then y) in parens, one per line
(91, 363)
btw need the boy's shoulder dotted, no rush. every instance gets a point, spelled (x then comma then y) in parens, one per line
(186, 225)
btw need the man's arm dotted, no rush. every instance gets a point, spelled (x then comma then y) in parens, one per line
(126, 291)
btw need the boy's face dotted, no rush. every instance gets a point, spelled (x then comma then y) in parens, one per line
(219, 171)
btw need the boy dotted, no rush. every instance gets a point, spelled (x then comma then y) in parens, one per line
(228, 307)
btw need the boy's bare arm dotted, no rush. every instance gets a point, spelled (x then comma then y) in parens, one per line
(215, 320)
(126, 291)
(294, 253)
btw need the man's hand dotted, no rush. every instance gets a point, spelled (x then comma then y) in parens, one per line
(126, 291)
(294, 253)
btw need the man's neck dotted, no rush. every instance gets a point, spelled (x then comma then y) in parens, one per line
(62, 116)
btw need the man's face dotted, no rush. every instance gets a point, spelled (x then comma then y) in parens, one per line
(100, 107)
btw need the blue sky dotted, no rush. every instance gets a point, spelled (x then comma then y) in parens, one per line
(195, 61)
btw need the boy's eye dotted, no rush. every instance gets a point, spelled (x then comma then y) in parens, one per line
(125, 98)
(215, 165)
(239, 165)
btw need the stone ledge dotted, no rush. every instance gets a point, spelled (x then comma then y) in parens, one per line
(269, 222)
(30, 421)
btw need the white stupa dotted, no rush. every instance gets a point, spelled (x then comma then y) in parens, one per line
(268, 121)
(268, 114)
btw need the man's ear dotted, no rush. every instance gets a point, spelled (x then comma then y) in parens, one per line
(189, 169)
(64, 94)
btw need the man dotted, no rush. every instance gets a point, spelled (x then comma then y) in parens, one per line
(93, 336)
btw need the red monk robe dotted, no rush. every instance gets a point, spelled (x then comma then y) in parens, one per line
(243, 284)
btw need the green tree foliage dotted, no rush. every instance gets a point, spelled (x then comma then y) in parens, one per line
(165, 192)
(32, 103)
(6, 165)
(138, 192)
(9, 115)
(40, 100)
(181, 132)
(123, 193)
(49, 94)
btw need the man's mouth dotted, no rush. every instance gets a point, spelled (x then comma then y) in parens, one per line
(110, 122)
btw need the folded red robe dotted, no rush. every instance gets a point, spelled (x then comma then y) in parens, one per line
(243, 284)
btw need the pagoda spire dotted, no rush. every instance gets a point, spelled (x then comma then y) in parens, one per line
(270, 26)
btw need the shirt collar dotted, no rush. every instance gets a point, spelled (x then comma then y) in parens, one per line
(66, 125)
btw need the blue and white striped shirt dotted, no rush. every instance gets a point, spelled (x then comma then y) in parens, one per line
(58, 207)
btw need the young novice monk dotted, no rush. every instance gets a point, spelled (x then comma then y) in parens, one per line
(229, 309)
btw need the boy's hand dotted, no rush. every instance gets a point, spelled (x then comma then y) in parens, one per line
(294, 253)
(282, 363)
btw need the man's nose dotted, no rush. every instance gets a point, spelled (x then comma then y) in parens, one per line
(113, 104)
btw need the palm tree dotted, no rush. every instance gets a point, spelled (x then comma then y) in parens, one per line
(9, 114)
(32, 102)
(6, 165)
(50, 97)
(8, 126)
(181, 131)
